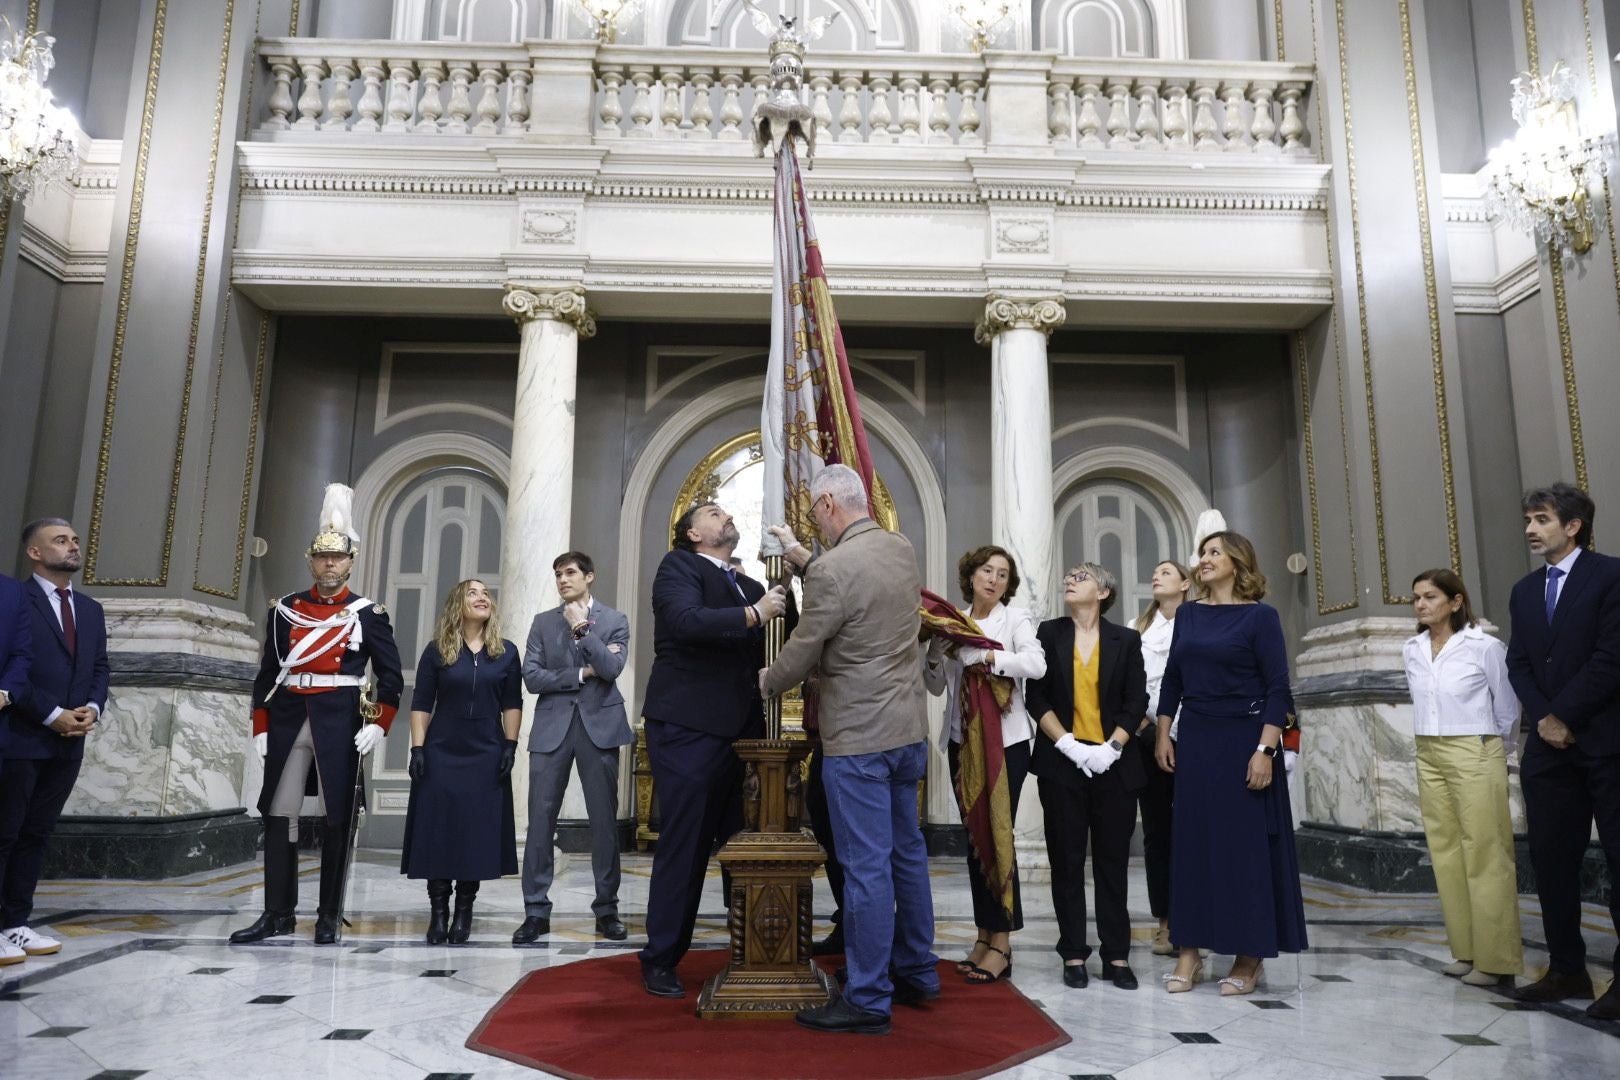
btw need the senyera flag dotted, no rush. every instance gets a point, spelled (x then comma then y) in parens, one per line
(810, 417)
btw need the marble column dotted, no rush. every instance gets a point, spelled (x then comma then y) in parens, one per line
(1016, 329)
(540, 488)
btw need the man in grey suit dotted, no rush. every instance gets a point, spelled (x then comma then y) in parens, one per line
(574, 654)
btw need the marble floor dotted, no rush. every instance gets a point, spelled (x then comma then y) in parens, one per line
(146, 986)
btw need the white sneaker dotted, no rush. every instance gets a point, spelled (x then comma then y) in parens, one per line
(31, 942)
(9, 953)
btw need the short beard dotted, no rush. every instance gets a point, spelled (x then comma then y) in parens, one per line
(68, 564)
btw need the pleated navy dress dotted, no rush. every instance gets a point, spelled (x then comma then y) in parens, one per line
(1234, 874)
(459, 823)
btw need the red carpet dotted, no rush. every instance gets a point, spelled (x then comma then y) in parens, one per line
(592, 1019)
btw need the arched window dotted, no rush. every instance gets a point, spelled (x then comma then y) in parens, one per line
(862, 25)
(1119, 28)
(1124, 528)
(469, 20)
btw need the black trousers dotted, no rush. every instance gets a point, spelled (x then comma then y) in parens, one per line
(32, 794)
(699, 783)
(1155, 799)
(1099, 813)
(815, 799)
(1564, 792)
(988, 914)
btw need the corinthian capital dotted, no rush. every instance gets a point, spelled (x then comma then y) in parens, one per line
(563, 305)
(1044, 313)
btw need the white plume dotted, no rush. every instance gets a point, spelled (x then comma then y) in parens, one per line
(1210, 522)
(337, 510)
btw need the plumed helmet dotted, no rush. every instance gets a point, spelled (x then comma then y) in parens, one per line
(336, 535)
(1210, 522)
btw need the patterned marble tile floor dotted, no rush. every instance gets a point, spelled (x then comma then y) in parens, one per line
(147, 987)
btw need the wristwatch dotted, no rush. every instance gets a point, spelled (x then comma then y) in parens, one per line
(1117, 746)
(1269, 751)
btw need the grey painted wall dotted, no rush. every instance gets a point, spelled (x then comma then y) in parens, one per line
(26, 362)
(1227, 30)
(1454, 81)
(1493, 449)
(353, 18)
(95, 51)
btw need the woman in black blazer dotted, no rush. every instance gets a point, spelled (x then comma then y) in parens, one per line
(1089, 702)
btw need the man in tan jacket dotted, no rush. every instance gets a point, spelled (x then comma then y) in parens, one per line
(859, 627)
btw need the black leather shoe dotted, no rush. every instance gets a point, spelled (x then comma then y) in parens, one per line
(611, 928)
(661, 981)
(907, 992)
(533, 927)
(326, 928)
(831, 945)
(1556, 986)
(840, 1015)
(1606, 1007)
(266, 926)
(1075, 975)
(1120, 975)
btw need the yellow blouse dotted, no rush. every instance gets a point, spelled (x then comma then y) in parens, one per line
(1087, 707)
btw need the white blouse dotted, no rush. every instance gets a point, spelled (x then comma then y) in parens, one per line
(1022, 659)
(1156, 654)
(1464, 690)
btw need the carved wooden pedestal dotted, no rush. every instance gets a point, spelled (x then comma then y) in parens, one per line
(771, 973)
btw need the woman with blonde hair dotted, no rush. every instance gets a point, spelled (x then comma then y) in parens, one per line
(1234, 871)
(1463, 712)
(465, 711)
(1171, 584)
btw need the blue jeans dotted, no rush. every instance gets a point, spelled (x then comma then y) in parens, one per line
(888, 906)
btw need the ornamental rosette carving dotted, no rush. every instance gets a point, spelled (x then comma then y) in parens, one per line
(561, 305)
(1043, 313)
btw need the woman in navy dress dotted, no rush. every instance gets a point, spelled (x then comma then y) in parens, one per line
(465, 711)
(1234, 876)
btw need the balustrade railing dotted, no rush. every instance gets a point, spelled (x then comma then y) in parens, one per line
(870, 99)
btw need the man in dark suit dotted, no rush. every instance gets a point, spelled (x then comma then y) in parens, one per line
(44, 730)
(575, 652)
(702, 695)
(1564, 663)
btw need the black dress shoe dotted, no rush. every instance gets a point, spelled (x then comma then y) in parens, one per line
(831, 945)
(611, 928)
(661, 981)
(1075, 975)
(326, 928)
(1120, 975)
(265, 926)
(1556, 986)
(1606, 1007)
(533, 927)
(908, 992)
(840, 1015)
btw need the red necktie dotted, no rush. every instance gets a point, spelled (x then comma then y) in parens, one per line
(70, 633)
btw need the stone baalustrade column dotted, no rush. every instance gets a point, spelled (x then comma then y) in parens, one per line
(1016, 329)
(540, 488)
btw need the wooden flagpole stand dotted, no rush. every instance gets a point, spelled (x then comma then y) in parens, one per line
(771, 972)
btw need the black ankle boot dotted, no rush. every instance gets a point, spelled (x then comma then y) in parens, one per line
(280, 886)
(461, 925)
(334, 857)
(439, 908)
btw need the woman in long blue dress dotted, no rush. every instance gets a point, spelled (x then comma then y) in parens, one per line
(1234, 875)
(465, 711)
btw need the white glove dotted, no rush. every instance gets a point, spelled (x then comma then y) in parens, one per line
(1075, 751)
(784, 536)
(368, 738)
(1289, 759)
(970, 656)
(1103, 758)
(261, 743)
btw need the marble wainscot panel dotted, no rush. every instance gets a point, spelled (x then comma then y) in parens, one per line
(172, 756)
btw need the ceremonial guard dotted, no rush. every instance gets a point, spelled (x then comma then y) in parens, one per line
(312, 722)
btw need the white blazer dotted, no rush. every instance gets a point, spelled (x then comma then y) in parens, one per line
(1022, 659)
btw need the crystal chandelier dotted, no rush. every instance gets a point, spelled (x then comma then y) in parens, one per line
(605, 15)
(983, 20)
(39, 140)
(1541, 179)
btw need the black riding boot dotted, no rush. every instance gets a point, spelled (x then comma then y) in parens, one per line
(280, 886)
(439, 908)
(334, 856)
(461, 925)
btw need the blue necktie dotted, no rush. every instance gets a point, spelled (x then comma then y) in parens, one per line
(731, 575)
(1553, 574)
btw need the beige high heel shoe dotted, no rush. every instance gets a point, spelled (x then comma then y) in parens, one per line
(1180, 984)
(1235, 985)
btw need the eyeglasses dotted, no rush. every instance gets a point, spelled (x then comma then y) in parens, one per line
(1076, 576)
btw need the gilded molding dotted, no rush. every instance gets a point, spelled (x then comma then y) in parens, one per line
(1566, 353)
(562, 305)
(1043, 313)
(1277, 23)
(126, 283)
(292, 20)
(33, 17)
(1431, 289)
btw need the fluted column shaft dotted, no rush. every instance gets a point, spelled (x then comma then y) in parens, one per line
(540, 487)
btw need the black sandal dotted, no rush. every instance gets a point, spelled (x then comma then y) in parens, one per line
(966, 964)
(978, 976)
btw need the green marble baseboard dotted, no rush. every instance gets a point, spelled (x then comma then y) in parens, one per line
(150, 848)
